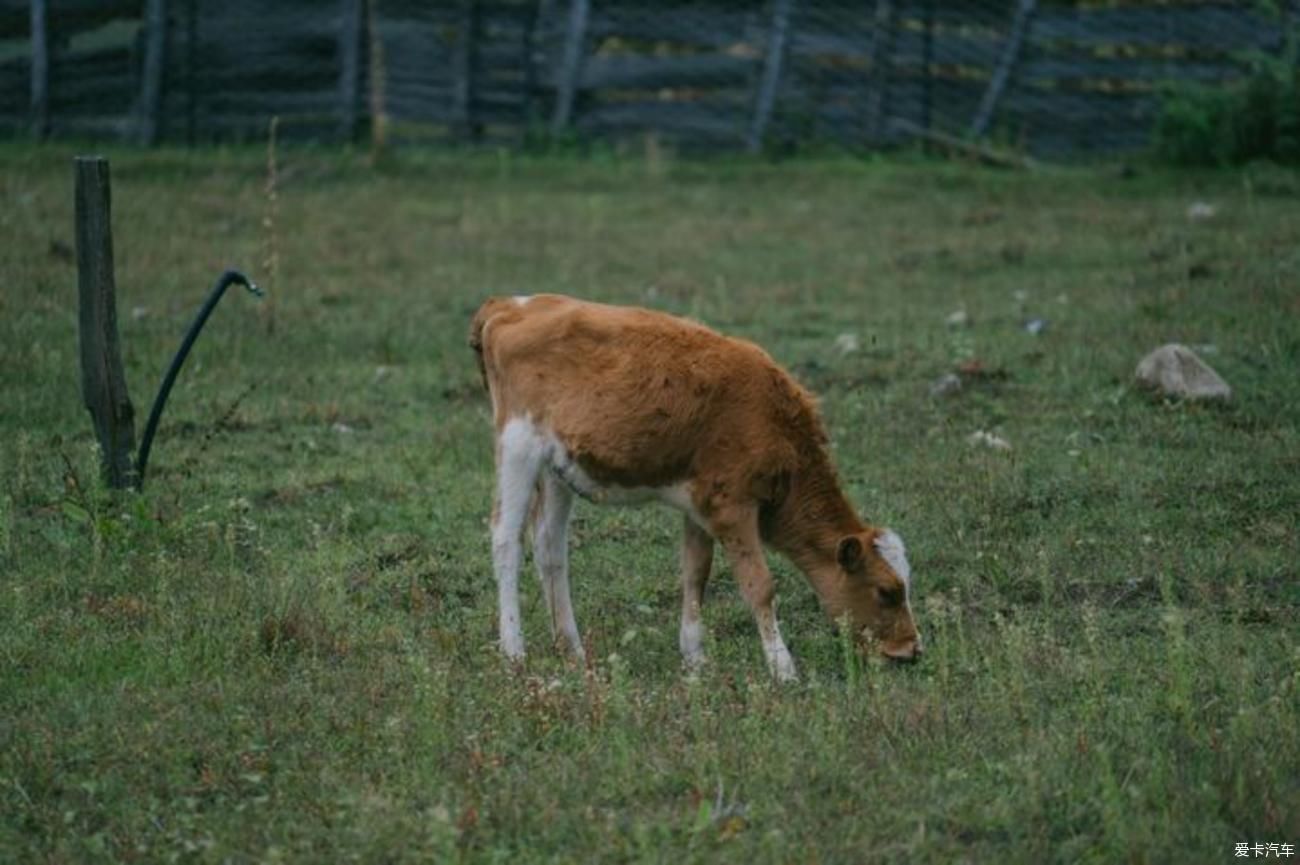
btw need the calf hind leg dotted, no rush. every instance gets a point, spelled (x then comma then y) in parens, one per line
(697, 560)
(551, 555)
(519, 455)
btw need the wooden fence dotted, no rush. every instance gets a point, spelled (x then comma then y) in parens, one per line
(1054, 76)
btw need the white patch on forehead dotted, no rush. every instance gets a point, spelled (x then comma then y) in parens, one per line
(522, 299)
(890, 547)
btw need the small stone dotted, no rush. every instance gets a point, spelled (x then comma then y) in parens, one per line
(945, 385)
(1175, 370)
(139, 313)
(983, 438)
(343, 429)
(1035, 326)
(1199, 211)
(846, 343)
(957, 319)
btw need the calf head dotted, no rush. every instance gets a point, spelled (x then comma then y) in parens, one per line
(876, 593)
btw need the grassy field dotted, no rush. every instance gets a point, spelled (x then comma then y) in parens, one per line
(283, 649)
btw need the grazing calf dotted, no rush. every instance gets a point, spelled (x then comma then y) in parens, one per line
(624, 405)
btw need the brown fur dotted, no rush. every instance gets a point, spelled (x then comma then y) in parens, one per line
(645, 399)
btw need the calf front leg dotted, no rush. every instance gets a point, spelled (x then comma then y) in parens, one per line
(738, 532)
(697, 560)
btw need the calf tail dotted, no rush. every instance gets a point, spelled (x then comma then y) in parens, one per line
(477, 326)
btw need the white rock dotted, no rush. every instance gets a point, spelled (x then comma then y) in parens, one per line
(988, 440)
(957, 319)
(846, 343)
(945, 385)
(1175, 370)
(1199, 211)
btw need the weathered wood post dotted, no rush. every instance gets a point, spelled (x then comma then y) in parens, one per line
(191, 70)
(351, 30)
(155, 17)
(466, 69)
(773, 63)
(979, 125)
(40, 32)
(927, 61)
(538, 23)
(378, 83)
(575, 41)
(881, 61)
(103, 384)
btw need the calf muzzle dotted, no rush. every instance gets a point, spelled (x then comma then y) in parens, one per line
(907, 653)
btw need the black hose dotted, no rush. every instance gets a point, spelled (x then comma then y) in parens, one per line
(223, 282)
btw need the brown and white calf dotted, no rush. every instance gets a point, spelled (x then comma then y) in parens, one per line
(623, 405)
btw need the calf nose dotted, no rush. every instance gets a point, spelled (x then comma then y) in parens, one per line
(906, 654)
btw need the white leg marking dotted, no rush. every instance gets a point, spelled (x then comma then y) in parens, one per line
(697, 559)
(779, 659)
(691, 640)
(520, 451)
(551, 552)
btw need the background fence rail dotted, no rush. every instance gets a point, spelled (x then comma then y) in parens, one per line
(1054, 76)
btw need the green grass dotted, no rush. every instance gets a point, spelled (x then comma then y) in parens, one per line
(283, 649)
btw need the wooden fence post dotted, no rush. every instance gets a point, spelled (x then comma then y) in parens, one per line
(191, 73)
(40, 33)
(927, 60)
(103, 384)
(1002, 72)
(539, 23)
(378, 96)
(351, 26)
(882, 59)
(466, 68)
(152, 74)
(575, 40)
(773, 64)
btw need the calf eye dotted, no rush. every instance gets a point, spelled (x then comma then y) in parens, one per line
(892, 597)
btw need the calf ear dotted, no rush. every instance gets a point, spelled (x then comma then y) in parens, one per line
(850, 552)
